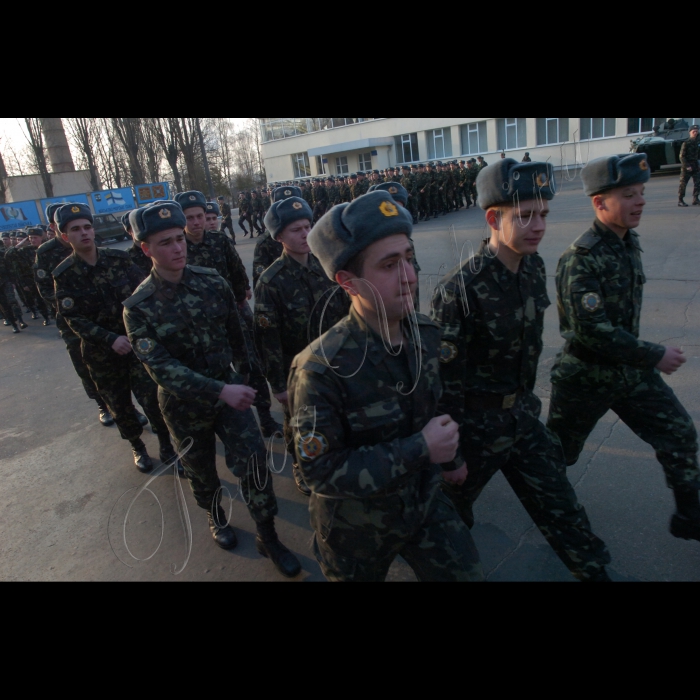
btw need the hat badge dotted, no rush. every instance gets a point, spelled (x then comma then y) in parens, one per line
(393, 190)
(388, 209)
(298, 205)
(75, 210)
(287, 193)
(165, 214)
(193, 198)
(543, 180)
(644, 165)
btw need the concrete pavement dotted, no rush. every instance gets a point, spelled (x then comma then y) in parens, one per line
(66, 481)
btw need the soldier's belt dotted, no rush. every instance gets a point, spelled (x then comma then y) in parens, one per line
(492, 402)
(592, 358)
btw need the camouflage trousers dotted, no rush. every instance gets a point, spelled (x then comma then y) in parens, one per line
(32, 299)
(533, 464)
(644, 402)
(424, 205)
(227, 226)
(12, 304)
(263, 401)
(72, 342)
(319, 210)
(116, 377)
(8, 306)
(355, 541)
(685, 179)
(244, 450)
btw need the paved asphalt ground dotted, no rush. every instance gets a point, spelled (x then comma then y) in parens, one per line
(67, 481)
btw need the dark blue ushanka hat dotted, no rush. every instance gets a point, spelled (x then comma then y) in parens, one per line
(286, 212)
(125, 222)
(396, 190)
(156, 218)
(286, 192)
(348, 229)
(71, 212)
(213, 208)
(508, 181)
(51, 210)
(189, 200)
(604, 174)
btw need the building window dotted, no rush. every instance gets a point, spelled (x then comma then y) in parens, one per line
(639, 125)
(552, 130)
(365, 162)
(275, 128)
(474, 139)
(597, 127)
(512, 133)
(341, 166)
(407, 148)
(300, 163)
(320, 165)
(439, 144)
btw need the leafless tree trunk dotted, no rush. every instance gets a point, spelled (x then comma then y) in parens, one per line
(35, 138)
(128, 131)
(83, 131)
(3, 181)
(151, 148)
(189, 144)
(166, 132)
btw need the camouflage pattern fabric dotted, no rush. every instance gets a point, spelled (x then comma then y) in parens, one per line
(334, 197)
(604, 364)
(90, 299)
(216, 251)
(689, 159)
(409, 184)
(492, 324)
(140, 259)
(345, 193)
(187, 335)
(267, 250)
(320, 197)
(358, 441)
(22, 269)
(8, 302)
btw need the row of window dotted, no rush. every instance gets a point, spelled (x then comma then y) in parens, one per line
(276, 128)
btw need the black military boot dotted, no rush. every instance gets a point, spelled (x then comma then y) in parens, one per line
(106, 417)
(35, 316)
(685, 524)
(141, 459)
(223, 534)
(15, 330)
(47, 321)
(696, 202)
(22, 324)
(299, 481)
(143, 421)
(681, 203)
(269, 545)
(167, 453)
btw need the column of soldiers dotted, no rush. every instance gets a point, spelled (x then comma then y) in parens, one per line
(395, 422)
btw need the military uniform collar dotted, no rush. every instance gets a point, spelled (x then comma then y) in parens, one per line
(189, 280)
(297, 269)
(613, 240)
(503, 276)
(206, 240)
(84, 267)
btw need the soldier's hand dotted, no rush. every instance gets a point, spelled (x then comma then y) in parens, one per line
(457, 478)
(238, 396)
(122, 346)
(248, 294)
(442, 436)
(672, 361)
(283, 398)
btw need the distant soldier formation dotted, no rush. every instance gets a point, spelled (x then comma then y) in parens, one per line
(394, 422)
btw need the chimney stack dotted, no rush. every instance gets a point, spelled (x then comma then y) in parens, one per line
(57, 145)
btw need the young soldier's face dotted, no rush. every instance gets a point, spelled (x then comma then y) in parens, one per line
(521, 228)
(196, 221)
(36, 241)
(294, 237)
(390, 278)
(212, 222)
(81, 235)
(622, 208)
(7, 242)
(167, 249)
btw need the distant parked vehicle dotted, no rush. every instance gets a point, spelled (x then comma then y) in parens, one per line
(664, 147)
(108, 229)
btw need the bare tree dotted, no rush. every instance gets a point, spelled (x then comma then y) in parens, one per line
(35, 138)
(166, 133)
(151, 148)
(130, 135)
(188, 142)
(84, 131)
(3, 180)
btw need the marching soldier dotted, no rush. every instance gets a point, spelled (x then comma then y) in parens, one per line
(7, 304)
(227, 223)
(90, 287)
(244, 214)
(364, 398)
(491, 310)
(604, 365)
(201, 396)
(268, 249)
(7, 286)
(21, 262)
(690, 167)
(320, 200)
(258, 213)
(293, 299)
(135, 252)
(408, 182)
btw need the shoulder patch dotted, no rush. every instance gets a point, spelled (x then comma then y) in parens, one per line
(203, 270)
(145, 290)
(588, 241)
(68, 262)
(114, 253)
(312, 446)
(448, 352)
(272, 271)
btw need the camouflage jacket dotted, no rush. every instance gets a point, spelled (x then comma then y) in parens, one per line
(345, 193)
(362, 188)
(267, 250)
(408, 182)
(21, 264)
(243, 206)
(600, 284)
(266, 203)
(492, 326)
(90, 297)
(217, 251)
(290, 306)
(225, 211)
(49, 256)
(334, 196)
(5, 275)
(308, 195)
(689, 153)
(188, 334)
(320, 195)
(358, 431)
(256, 205)
(140, 259)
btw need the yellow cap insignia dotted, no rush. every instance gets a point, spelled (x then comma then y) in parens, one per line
(145, 346)
(75, 210)
(165, 214)
(298, 205)
(542, 180)
(388, 209)
(393, 190)
(264, 321)
(644, 165)
(312, 446)
(448, 352)
(41, 274)
(287, 193)
(193, 198)
(67, 303)
(592, 302)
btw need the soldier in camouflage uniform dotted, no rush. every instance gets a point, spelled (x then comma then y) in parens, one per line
(362, 185)
(604, 365)
(90, 287)
(491, 310)
(48, 257)
(268, 249)
(294, 303)
(345, 192)
(244, 214)
(184, 324)
(7, 304)
(213, 249)
(307, 194)
(408, 182)
(7, 283)
(227, 223)
(266, 201)
(690, 167)
(364, 400)
(320, 195)
(20, 264)
(258, 212)
(333, 193)
(138, 257)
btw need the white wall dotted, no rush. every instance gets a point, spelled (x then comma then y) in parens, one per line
(32, 186)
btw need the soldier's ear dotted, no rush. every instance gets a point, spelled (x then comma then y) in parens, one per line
(599, 202)
(494, 219)
(347, 281)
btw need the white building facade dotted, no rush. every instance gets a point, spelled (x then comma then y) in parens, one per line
(301, 147)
